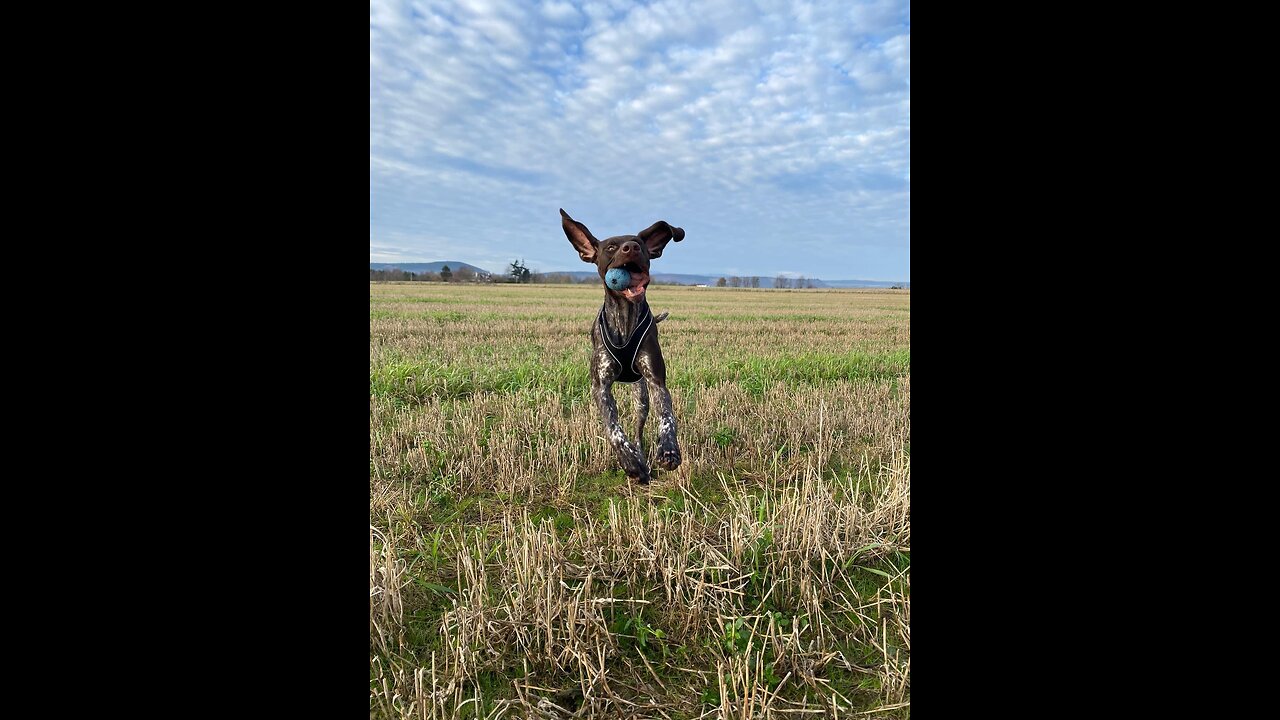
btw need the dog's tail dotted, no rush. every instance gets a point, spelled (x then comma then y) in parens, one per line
(660, 318)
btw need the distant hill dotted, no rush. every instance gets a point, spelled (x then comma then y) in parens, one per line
(659, 277)
(864, 283)
(671, 278)
(454, 266)
(765, 282)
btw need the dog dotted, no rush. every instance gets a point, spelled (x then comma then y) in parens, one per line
(624, 341)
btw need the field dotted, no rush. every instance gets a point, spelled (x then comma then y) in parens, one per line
(513, 571)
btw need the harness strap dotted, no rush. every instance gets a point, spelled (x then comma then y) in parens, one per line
(625, 354)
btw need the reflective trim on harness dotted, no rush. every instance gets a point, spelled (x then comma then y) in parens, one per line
(629, 349)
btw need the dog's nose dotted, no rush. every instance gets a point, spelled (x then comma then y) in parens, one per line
(631, 247)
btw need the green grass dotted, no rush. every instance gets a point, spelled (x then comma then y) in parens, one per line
(416, 381)
(481, 421)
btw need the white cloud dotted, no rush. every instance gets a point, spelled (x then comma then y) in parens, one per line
(748, 125)
(560, 13)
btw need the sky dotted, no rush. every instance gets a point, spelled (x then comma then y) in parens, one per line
(777, 134)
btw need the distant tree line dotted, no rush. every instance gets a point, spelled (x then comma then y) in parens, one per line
(735, 281)
(517, 272)
(754, 282)
(461, 275)
(562, 279)
(778, 282)
(796, 282)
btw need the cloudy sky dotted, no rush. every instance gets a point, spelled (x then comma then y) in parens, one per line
(776, 133)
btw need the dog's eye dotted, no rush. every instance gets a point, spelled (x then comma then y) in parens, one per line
(613, 248)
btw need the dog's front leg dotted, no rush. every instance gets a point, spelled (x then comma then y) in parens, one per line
(630, 457)
(668, 448)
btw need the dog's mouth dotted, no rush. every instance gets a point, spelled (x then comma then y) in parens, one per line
(639, 281)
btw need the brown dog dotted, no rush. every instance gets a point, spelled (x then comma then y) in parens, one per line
(624, 339)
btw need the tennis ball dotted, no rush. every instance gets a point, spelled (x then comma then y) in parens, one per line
(617, 279)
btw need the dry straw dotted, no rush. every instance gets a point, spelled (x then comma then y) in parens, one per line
(768, 578)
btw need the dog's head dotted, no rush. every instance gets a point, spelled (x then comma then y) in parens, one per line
(631, 252)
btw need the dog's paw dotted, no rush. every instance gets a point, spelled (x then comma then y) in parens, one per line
(669, 458)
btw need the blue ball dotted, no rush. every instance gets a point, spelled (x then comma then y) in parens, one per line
(617, 279)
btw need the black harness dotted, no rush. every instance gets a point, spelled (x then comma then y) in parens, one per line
(625, 354)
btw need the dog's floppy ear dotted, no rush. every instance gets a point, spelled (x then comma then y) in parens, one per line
(581, 238)
(657, 235)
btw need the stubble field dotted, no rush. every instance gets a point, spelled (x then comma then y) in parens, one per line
(513, 571)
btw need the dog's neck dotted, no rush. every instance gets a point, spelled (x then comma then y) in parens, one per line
(621, 316)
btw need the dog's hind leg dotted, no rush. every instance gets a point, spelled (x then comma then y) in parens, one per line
(654, 374)
(642, 411)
